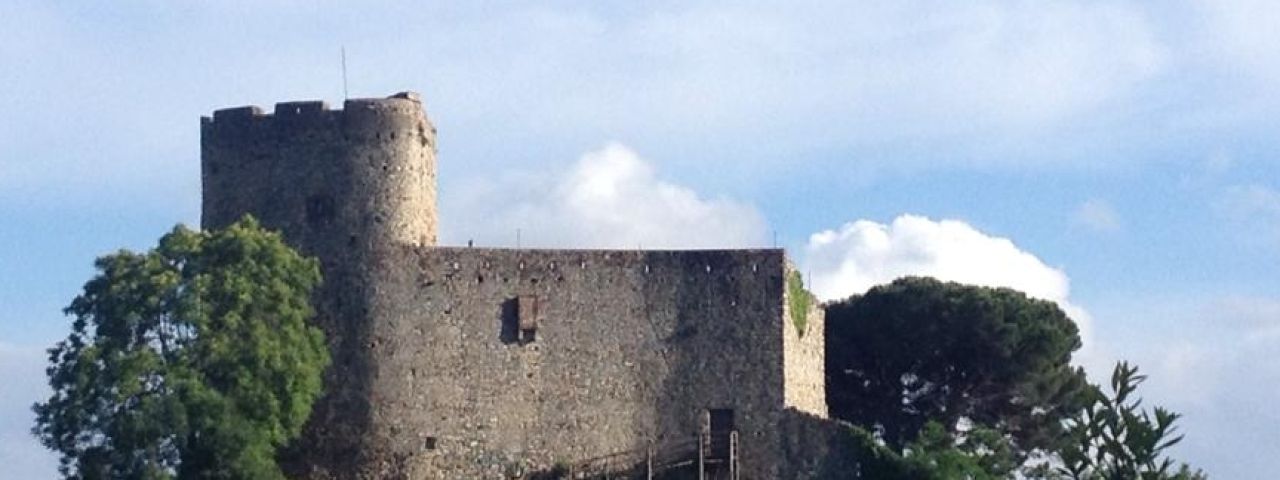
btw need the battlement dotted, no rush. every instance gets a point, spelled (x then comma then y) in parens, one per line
(403, 109)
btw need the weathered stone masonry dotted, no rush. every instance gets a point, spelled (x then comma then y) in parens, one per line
(436, 372)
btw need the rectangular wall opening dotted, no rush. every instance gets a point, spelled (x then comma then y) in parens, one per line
(720, 420)
(519, 319)
(720, 426)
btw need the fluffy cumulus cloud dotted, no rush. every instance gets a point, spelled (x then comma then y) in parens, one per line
(864, 253)
(610, 198)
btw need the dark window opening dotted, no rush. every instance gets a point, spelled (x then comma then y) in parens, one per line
(720, 427)
(429, 443)
(519, 323)
(509, 331)
(720, 420)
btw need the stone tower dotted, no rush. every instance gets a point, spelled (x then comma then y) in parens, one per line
(341, 185)
(367, 172)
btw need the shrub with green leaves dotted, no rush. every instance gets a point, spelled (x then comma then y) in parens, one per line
(1115, 439)
(799, 300)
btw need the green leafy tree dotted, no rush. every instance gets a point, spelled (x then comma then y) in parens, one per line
(980, 454)
(919, 350)
(192, 360)
(934, 455)
(1115, 439)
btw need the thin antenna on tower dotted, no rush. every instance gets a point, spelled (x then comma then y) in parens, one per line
(345, 96)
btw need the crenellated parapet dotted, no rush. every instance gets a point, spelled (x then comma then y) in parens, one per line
(400, 115)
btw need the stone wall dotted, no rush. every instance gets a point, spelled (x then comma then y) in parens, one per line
(819, 448)
(804, 364)
(630, 347)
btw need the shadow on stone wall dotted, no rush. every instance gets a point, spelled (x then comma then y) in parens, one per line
(826, 449)
(332, 443)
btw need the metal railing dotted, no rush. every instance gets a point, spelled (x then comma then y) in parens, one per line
(710, 453)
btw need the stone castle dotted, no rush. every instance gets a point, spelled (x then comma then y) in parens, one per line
(461, 362)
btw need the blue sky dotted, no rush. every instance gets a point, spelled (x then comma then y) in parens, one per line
(1117, 157)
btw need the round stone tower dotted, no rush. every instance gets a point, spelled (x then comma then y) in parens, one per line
(366, 172)
(343, 186)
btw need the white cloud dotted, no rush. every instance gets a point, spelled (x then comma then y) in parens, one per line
(827, 74)
(862, 254)
(23, 380)
(1097, 215)
(611, 198)
(1020, 63)
(824, 77)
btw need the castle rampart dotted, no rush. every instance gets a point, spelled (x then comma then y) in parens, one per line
(459, 362)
